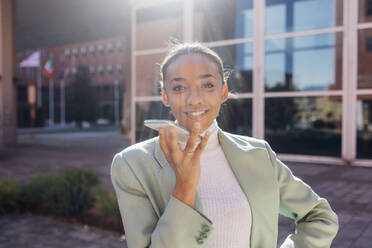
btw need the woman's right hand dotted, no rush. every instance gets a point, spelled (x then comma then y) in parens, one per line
(185, 163)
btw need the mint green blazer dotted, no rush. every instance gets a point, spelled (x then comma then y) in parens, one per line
(152, 217)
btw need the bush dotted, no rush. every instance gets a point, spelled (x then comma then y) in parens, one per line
(72, 192)
(107, 204)
(9, 195)
(67, 193)
(34, 194)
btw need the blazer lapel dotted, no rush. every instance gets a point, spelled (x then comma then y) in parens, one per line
(252, 169)
(167, 177)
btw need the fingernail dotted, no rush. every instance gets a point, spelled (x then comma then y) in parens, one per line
(197, 125)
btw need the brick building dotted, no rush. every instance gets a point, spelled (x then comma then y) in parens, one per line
(108, 63)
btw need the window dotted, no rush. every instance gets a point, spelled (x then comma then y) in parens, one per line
(100, 49)
(92, 70)
(369, 8)
(83, 51)
(109, 69)
(119, 46)
(75, 52)
(92, 50)
(109, 47)
(101, 70)
(74, 70)
(119, 68)
(369, 44)
(67, 53)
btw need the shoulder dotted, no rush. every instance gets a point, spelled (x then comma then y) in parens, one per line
(137, 154)
(139, 149)
(246, 140)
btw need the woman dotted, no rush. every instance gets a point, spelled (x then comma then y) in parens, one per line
(224, 190)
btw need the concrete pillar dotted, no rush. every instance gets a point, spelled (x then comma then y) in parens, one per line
(8, 110)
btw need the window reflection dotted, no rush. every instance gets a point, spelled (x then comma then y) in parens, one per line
(149, 110)
(364, 59)
(365, 11)
(283, 16)
(236, 117)
(306, 125)
(222, 20)
(304, 63)
(364, 127)
(238, 59)
(165, 20)
(148, 74)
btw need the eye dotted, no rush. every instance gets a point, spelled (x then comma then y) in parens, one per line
(208, 85)
(178, 88)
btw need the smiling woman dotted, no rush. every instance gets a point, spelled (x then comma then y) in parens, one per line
(223, 190)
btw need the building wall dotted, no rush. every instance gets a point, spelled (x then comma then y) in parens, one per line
(8, 132)
(107, 60)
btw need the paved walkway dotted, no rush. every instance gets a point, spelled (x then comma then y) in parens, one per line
(40, 232)
(348, 189)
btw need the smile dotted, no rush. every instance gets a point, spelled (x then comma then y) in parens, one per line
(196, 115)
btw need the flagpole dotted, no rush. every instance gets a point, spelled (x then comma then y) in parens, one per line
(62, 99)
(51, 102)
(39, 92)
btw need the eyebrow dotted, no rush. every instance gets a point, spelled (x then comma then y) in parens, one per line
(203, 76)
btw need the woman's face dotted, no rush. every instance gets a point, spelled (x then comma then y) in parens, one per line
(194, 90)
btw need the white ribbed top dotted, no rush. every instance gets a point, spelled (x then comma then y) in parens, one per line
(222, 198)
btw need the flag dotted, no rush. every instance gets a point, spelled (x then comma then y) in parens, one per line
(48, 69)
(32, 60)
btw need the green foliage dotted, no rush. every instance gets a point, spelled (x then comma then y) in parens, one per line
(67, 193)
(80, 97)
(107, 204)
(35, 193)
(9, 194)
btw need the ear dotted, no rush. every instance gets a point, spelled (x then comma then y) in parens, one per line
(225, 92)
(165, 97)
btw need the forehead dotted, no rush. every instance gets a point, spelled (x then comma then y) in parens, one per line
(192, 65)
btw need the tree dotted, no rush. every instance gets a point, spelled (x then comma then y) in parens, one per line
(80, 98)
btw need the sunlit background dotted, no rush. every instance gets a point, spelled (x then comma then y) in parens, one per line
(79, 77)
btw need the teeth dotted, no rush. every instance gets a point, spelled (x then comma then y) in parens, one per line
(197, 113)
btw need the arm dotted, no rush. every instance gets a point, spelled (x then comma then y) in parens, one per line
(316, 223)
(178, 226)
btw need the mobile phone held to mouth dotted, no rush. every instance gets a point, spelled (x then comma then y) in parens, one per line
(182, 133)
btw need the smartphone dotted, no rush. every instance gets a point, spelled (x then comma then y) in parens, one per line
(182, 133)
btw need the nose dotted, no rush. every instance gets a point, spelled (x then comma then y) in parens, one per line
(194, 97)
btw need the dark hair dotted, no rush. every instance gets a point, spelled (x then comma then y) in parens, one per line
(180, 49)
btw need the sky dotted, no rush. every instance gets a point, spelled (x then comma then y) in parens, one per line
(44, 23)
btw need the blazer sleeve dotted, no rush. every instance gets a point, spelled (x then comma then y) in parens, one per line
(316, 222)
(178, 226)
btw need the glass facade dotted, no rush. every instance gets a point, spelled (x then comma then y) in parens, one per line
(290, 59)
(149, 110)
(365, 11)
(166, 19)
(306, 125)
(364, 127)
(365, 59)
(304, 63)
(238, 61)
(236, 22)
(282, 16)
(148, 74)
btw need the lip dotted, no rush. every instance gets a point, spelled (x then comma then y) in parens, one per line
(196, 117)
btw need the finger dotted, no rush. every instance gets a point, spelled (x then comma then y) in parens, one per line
(192, 139)
(163, 141)
(199, 150)
(172, 140)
